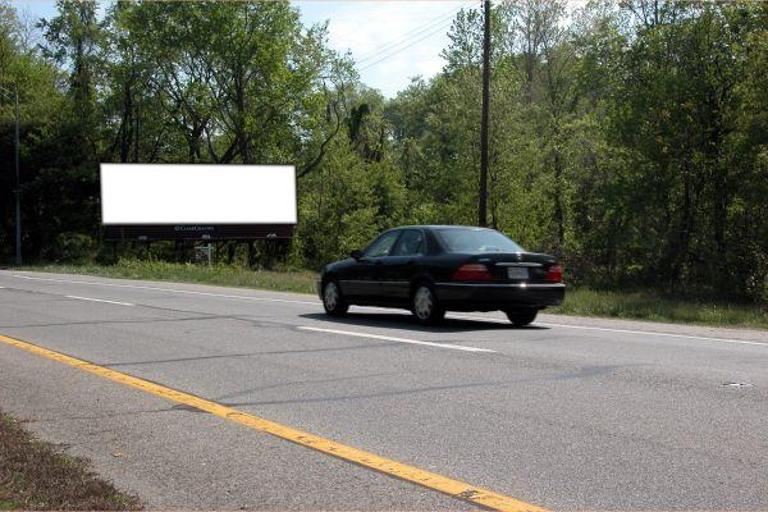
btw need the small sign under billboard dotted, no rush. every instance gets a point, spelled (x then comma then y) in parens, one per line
(198, 201)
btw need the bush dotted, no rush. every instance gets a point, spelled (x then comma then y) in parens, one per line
(74, 247)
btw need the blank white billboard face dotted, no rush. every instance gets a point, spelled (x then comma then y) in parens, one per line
(198, 194)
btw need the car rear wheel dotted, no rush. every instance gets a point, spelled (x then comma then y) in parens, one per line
(521, 317)
(425, 306)
(333, 302)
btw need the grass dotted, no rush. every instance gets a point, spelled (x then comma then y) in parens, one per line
(653, 306)
(638, 305)
(36, 476)
(299, 281)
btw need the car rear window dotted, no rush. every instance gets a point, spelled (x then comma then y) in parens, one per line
(475, 241)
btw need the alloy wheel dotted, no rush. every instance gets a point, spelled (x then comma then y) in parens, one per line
(331, 296)
(423, 303)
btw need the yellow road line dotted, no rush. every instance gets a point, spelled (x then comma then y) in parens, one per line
(454, 488)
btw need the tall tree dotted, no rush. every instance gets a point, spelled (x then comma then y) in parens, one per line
(74, 38)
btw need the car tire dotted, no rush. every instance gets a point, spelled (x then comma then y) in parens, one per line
(521, 317)
(424, 305)
(333, 302)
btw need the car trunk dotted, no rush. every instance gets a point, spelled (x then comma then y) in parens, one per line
(524, 267)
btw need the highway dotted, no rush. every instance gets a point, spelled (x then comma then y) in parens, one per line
(191, 396)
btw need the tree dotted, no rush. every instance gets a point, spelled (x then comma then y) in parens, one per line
(74, 37)
(629, 138)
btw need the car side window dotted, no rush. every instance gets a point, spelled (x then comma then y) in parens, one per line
(382, 245)
(410, 244)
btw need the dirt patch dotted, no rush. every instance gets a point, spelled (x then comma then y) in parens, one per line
(36, 476)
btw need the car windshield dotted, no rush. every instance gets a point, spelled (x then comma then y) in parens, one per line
(476, 240)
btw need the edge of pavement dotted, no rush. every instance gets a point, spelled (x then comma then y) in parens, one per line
(552, 319)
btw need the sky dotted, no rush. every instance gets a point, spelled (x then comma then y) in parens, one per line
(391, 40)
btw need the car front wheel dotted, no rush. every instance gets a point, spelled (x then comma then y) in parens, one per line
(333, 302)
(521, 317)
(425, 306)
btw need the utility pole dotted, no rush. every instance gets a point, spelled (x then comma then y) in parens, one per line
(18, 186)
(483, 206)
(5, 92)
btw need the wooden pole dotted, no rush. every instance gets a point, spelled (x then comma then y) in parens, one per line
(483, 199)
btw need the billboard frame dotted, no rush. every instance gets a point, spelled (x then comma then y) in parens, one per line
(121, 232)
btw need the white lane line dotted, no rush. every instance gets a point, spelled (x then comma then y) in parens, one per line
(159, 289)
(481, 318)
(91, 299)
(309, 303)
(622, 331)
(396, 340)
(652, 333)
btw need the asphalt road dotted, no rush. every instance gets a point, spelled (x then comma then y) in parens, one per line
(569, 414)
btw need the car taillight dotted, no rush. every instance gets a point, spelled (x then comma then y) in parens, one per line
(472, 272)
(555, 274)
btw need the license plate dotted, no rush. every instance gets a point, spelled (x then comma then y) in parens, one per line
(517, 273)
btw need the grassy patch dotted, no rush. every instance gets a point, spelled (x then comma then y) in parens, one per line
(653, 306)
(35, 476)
(639, 305)
(300, 281)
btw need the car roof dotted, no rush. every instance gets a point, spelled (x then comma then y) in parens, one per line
(440, 226)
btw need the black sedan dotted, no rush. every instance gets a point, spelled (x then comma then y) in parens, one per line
(434, 269)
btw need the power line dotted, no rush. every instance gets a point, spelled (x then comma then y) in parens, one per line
(400, 50)
(413, 42)
(409, 35)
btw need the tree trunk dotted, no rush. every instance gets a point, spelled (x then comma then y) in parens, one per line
(126, 127)
(231, 246)
(251, 254)
(559, 208)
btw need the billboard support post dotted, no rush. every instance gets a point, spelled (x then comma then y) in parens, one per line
(204, 252)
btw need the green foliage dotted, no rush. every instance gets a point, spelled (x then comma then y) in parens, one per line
(345, 203)
(220, 274)
(630, 139)
(631, 143)
(41, 106)
(656, 307)
(74, 36)
(639, 304)
(74, 247)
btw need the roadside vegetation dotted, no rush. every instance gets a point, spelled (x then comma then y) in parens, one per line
(629, 139)
(298, 281)
(580, 300)
(659, 307)
(36, 476)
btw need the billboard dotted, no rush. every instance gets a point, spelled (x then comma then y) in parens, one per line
(197, 201)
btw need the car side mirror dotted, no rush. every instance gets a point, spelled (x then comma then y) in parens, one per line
(356, 254)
